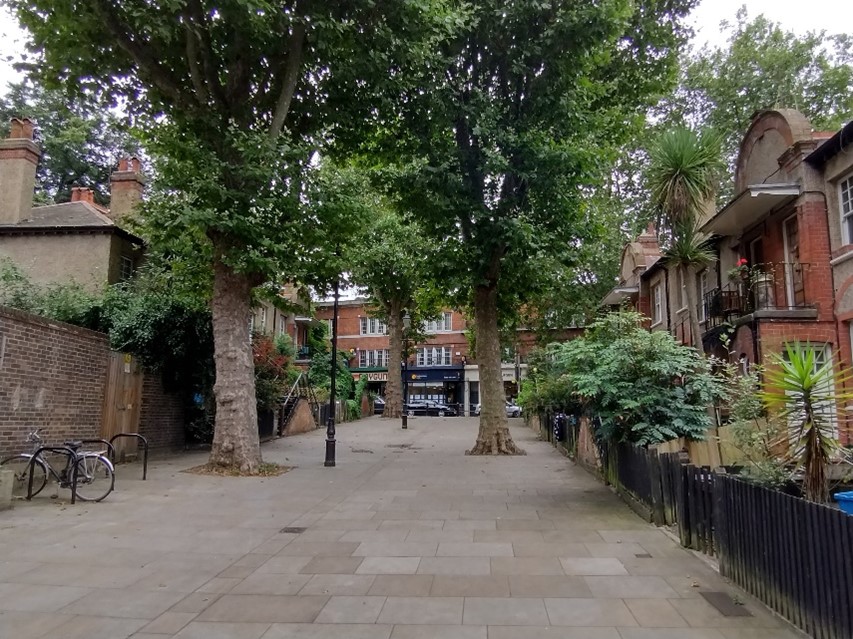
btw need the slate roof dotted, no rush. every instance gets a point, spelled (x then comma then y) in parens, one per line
(68, 217)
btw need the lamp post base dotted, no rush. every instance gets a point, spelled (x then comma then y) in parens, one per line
(330, 453)
(405, 419)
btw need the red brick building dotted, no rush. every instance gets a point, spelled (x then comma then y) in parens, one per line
(784, 244)
(440, 368)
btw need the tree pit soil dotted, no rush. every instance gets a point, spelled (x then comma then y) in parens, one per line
(266, 469)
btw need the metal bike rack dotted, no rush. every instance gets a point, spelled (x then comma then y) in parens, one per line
(144, 441)
(65, 450)
(111, 450)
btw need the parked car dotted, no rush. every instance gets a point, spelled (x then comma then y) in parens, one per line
(378, 405)
(512, 410)
(429, 407)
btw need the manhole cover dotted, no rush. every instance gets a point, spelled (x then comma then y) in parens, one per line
(643, 555)
(297, 530)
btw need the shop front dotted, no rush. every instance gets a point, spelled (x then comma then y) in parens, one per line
(511, 374)
(376, 380)
(440, 384)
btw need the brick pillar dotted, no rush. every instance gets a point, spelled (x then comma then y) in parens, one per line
(19, 158)
(126, 185)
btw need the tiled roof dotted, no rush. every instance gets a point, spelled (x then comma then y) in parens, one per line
(68, 214)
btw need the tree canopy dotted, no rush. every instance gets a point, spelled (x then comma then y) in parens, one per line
(503, 139)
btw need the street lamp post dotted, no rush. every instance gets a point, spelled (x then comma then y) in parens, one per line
(330, 422)
(407, 323)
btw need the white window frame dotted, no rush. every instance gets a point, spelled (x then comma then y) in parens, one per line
(282, 324)
(845, 207)
(657, 304)
(263, 319)
(373, 358)
(702, 286)
(443, 325)
(126, 268)
(823, 354)
(434, 356)
(682, 287)
(371, 326)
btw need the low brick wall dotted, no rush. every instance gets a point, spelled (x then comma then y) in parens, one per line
(52, 378)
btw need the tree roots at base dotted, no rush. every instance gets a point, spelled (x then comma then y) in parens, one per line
(500, 443)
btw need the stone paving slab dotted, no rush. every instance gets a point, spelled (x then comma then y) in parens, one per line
(413, 541)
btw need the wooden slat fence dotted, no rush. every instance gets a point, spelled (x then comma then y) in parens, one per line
(795, 555)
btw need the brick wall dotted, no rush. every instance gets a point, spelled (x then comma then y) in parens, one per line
(161, 417)
(51, 378)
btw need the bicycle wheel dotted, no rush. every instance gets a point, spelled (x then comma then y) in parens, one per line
(95, 477)
(21, 464)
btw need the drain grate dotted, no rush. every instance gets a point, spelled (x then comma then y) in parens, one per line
(298, 530)
(643, 555)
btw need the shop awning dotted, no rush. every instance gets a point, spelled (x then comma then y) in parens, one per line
(748, 208)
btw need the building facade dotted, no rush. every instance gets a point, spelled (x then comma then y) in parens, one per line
(784, 252)
(77, 241)
(440, 369)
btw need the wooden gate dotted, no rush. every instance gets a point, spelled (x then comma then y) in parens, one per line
(122, 396)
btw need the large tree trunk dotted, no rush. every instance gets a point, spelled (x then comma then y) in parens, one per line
(235, 437)
(394, 385)
(494, 437)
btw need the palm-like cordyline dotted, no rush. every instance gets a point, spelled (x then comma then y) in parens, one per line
(805, 397)
(683, 177)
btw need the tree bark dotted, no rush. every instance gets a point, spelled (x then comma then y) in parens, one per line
(493, 437)
(235, 438)
(394, 385)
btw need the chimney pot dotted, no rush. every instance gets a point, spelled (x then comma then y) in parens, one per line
(82, 194)
(21, 129)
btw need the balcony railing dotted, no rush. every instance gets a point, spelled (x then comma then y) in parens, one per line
(767, 287)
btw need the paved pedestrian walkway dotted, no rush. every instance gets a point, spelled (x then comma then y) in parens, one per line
(405, 539)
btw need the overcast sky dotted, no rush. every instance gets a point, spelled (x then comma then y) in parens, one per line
(813, 15)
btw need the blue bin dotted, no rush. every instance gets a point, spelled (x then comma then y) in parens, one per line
(845, 501)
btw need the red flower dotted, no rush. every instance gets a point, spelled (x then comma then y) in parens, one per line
(742, 261)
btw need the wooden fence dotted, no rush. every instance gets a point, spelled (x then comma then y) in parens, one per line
(794, 555)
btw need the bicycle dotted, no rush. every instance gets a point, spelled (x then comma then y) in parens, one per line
(95, 473)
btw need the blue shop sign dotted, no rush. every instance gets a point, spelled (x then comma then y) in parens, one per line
(434, 375)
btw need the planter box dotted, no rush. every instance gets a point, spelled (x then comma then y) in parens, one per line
(7, 478)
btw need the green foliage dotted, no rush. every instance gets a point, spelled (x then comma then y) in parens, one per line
(80, 141)
(320, 375)
(497, 155)
(756, 436)
(805, 396)
(645, 387)
(273, 369)
(683, 173)
(763, 66)
(67, 302)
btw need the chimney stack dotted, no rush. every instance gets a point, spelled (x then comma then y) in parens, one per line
(126, 185)
(19, 157)
(82, 194)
